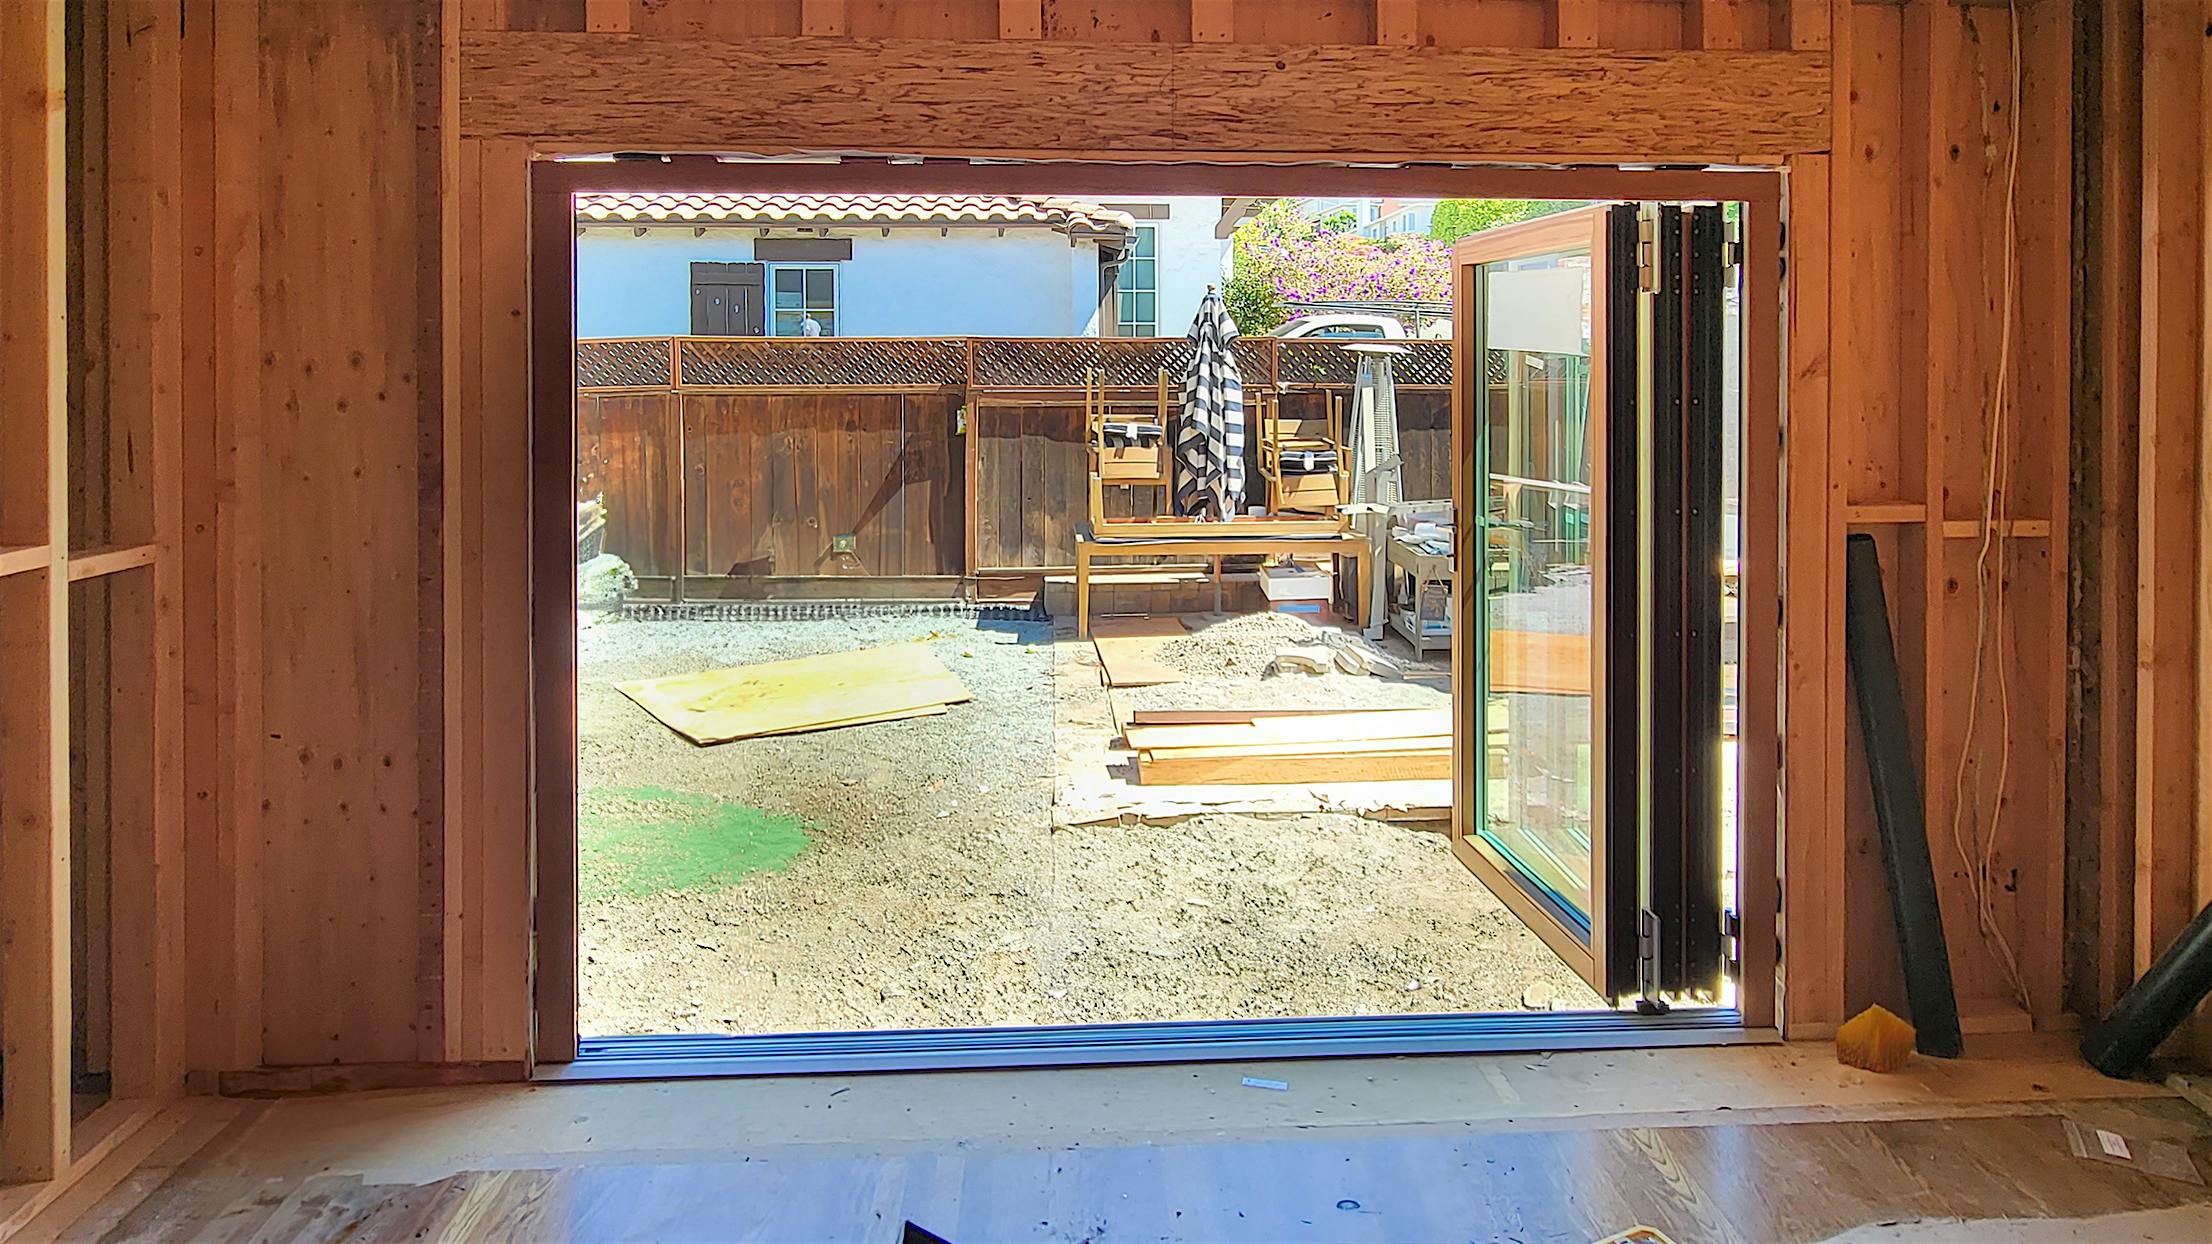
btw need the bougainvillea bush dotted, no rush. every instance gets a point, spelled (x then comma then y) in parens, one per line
(1280, 257)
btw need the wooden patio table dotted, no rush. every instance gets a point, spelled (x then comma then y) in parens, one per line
(1224, 540)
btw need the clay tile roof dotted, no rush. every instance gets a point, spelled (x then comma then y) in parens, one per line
(814, 210)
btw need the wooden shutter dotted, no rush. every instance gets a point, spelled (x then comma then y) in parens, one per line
(729, 300)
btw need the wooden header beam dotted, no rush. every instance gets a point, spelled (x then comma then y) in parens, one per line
(706, 175)
(1138, 101)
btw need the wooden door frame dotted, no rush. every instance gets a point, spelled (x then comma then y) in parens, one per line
(552, 181)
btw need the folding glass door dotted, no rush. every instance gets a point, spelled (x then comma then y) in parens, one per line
(1591, 415)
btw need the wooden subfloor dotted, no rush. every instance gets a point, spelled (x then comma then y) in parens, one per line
(1745, 1144)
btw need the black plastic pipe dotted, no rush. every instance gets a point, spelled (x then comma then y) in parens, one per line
(1872, 656)
(2154, 1006)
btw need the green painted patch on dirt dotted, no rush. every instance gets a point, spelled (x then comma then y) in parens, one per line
(637, 841)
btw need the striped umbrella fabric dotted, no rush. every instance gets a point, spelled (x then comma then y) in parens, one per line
(1209, 445)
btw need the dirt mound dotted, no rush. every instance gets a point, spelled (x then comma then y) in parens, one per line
(1239, 647)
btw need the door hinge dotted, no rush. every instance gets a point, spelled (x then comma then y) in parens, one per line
(1647, 962)
(1731, 249)
(1731, 945)
(1647, 252)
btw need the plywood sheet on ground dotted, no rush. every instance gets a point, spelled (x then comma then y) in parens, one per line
(810, 693)
(1128, 650)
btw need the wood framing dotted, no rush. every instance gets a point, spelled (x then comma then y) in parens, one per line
(2169, 765)
(343, 368)
(1812, 923)
(34, 605)
(1190, 100)
(91, 616)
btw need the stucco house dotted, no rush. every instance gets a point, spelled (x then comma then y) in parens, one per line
(892, 265)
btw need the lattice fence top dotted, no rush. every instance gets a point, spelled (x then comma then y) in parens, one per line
(1310, 360)
(623, 363)
(854, 362)
(1063, 362)
(985, 362)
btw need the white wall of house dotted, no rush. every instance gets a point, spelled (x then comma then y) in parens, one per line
(912, 283)
(1191, 257)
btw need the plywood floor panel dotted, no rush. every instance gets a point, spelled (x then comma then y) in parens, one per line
(1747, 1144)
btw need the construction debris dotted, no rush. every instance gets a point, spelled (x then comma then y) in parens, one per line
(1359, 659)
(1300, 747)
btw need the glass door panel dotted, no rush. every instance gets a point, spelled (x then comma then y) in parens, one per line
(1594, 412)
(1539, 604)
(1532, 802)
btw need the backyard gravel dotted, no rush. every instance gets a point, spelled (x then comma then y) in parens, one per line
(934, 890)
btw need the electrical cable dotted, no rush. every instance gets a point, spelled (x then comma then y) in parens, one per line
(1977, 844)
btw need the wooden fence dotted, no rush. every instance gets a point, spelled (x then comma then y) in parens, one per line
(746, 467)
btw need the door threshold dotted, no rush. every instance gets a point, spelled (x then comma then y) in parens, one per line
(705, 1055)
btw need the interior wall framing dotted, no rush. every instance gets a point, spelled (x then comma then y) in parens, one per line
(489, 162)
(91, 512)
(352, 369)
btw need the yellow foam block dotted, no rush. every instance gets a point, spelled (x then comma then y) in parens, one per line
(1874, 1039)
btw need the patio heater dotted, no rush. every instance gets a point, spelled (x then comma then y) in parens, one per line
(1378, 481)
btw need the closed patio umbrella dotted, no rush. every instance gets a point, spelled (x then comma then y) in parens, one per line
(1209, 446)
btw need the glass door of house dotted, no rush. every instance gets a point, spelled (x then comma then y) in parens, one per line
(1587, 784)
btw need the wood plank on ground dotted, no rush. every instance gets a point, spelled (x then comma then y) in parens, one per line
(1361, 747)
(1128, 650)
(1344, 728)
(1226, 716)
(809, 693)
(1206, 768)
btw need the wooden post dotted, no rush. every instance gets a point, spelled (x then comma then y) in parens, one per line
(609, 16)
(1398, 22)
(1801, 25)
(1021, 19)
(34, 603)
(1573, 23)
(1813, 930)
(822, 17)
(679, 496)
(2169, 648)
(1212, 21)
(1710, 24)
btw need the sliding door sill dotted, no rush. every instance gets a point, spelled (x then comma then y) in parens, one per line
(681, 1055)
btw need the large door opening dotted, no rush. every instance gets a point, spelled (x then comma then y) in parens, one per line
(954, 882)
(1604, 445)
